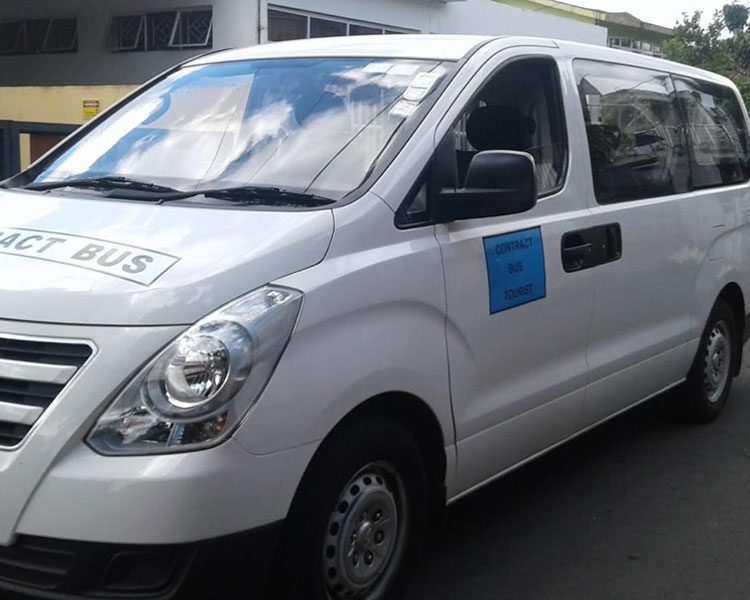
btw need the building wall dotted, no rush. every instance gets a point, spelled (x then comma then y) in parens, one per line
(585, 15)
(236, 24)
(488, 17)
(39, 93)
(639, 40)
(414, 15)
(55, 104)
(28, 107)
(482, 17)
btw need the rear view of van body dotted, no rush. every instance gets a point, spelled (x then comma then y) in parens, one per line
(261, 320)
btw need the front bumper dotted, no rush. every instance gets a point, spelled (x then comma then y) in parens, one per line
(229, 567)
(167, 499)
(54, 485)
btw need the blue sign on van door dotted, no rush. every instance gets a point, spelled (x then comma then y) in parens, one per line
(515, 268)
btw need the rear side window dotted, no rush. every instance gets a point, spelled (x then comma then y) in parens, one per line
(717, 131)
(637, 140)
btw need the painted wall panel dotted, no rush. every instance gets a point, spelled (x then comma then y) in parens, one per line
(236, 24)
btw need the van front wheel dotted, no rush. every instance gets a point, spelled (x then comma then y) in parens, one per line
(358, 517)
(709, 381)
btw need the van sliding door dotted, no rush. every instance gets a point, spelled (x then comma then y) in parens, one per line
(639, 189)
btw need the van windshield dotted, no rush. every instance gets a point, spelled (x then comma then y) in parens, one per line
(306, 125)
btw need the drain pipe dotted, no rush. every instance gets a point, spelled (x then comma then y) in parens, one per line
(260, 21)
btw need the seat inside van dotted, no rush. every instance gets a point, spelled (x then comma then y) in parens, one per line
(516, 111)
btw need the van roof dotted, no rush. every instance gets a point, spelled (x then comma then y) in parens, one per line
(437, 47)
(430, 47)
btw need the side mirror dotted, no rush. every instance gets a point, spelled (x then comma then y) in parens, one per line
(498, 182)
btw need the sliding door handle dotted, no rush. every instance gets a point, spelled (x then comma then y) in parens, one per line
(587, 248)
(579, 249)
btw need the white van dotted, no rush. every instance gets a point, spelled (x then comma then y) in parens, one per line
(290, 300)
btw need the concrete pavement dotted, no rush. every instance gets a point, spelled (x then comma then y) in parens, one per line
(641, 508)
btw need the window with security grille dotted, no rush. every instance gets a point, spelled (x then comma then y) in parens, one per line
(39, 36)
(166, 30)
(194, 29)
(62, 36)
(11, 37)
(36, 35)
(128, 33)
(161, 29)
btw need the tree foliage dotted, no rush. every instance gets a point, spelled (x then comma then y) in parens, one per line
(709, 48)
(735, 17)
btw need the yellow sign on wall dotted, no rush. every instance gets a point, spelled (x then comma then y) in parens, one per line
(91, 108)
(60, 104)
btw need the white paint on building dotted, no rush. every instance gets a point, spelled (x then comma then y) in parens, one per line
(236, 24)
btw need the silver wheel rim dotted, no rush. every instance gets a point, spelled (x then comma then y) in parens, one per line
(365, 535)
(717, 362)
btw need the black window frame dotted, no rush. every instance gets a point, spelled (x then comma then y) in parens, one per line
(584, 111)
(673, 76)
(443, 159)
(686, 123)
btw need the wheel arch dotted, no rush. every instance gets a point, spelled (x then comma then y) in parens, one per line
(732, 294)
(416, 416)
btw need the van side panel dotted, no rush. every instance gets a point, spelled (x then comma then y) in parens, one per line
(372, 322)
(678, 252)
(724, 245)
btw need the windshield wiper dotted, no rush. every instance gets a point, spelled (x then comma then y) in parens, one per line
(245, 195)
(114, 182)
(250, 195)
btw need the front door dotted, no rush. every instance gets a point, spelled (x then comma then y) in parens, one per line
(517, 321)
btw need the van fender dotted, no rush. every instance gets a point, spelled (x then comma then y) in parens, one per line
(333, 366)
(721, 270)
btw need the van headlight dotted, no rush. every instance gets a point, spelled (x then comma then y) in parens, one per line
(198, 389)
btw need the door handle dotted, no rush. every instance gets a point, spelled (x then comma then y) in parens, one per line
(579, 249)
(587, 248)
(575, 252)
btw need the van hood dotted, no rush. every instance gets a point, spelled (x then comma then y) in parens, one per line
(103, 262)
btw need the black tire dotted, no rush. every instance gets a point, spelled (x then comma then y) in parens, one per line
(309, 552)
(700, 399)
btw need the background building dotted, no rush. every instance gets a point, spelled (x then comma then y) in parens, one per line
(63, 61)
(624, 31)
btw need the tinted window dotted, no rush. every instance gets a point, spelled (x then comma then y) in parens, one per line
(364, 30)
(286, 26)
(326, 28)
(637, 141)
(717, 132)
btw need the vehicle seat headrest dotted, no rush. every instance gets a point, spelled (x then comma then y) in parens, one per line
(499, 127)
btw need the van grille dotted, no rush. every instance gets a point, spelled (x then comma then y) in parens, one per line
(36, 561)
(32, 374)
(52, 568)
(53, 353)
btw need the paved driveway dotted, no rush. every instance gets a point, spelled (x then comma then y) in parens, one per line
(639, 509)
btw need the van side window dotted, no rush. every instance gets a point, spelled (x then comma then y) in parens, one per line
(520, 108)
(717, 132)
(637, 140)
